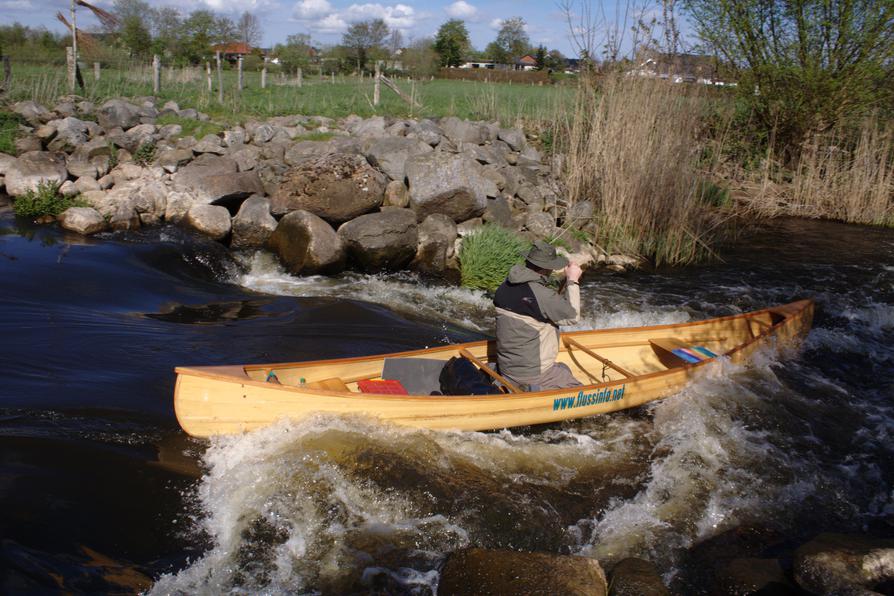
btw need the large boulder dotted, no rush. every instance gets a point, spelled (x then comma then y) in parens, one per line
(448, 184)
(32, 111)
(513, 137)
(381, 241)
(437, 237)
(306, 244)
(83, 220)
(369, 128)
(117, 113)
(463, 131)
(390, 154)
(253, 224)
(212, 179)
(844, 564)
(335, 187)
(426, 131)
(5, 162)
(32, 168)
(211, 220)
(496, 572)
(636, 577)
(70, 134)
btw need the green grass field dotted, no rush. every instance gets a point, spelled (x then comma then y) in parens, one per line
(510, 104)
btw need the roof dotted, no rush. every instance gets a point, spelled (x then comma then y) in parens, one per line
(235, 47)
(527, 59)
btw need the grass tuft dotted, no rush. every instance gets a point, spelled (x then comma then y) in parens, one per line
(9, 130)
(487, 255)
(191, 127)
(145, 153)
(44, 200)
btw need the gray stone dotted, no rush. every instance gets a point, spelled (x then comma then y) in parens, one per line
(68, 189)
(748, 575)
(469, 226)
(259, 133)
(253, 224)
(45, 133)
(171, 105)
(170, 131)
(369, 128)
(437, 236)
(173, 159)
(513, 137)
(188, 114)
(541, 225)
(246, 157)
(335, 187)
(124, 217)
(211, 220)
(275, 149)
(86, 184)
(143, 133)
(235, 137)
(65, 109)
(390, 155)
(117, 113)
(209, 144)
(580, 213)
(844, 564)
(498, 212)
(150, 201)
(32, 168)
(28, 143)
(446, 183)
(306, 244)
(5, 162)
(426, 131)
(381, 241)
(213, 178)
(305, 151)
(493, 173)
(396, 194)
(32, 111)
(83, 220)
(70, 133)
(86, 108)
(636, 577)
(490, 572)
(463, 131)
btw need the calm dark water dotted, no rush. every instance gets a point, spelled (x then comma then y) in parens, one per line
(102, 492)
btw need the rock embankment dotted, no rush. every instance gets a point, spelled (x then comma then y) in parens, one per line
(372, 194)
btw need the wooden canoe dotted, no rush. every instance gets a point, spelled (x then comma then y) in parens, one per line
(623, 368)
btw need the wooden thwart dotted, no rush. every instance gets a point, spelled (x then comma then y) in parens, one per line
(570, 342)
(489, 371)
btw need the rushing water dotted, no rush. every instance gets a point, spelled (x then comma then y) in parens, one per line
(101, 491)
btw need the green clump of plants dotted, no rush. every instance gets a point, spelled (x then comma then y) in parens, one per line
(145, 153)
(44, 200)
(714, 195)
(486, 256)
(190, 128)
(9, 130)
(315, 136)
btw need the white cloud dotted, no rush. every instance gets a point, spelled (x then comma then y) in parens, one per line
(16, 5)
(331, 24)
(462, 10)
(311, 9)
(398, 16)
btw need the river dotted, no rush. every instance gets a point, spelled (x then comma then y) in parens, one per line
(100, 491)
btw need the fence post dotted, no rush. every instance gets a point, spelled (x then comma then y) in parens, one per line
(264, 74)
(333, 78)
(156, 74)
(219, 80)
(300, 76)
(96, 68)
(208, 75)
(72, 68)
(239, 77)
(378, 84)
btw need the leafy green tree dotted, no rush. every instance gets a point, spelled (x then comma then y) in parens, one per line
(555, 60)
(512, 39)
(803, 65)
(365, 38)
(540, 57)
(495, 52)
(420, 58)
(452, 43)
(295, 53)
(135, 37)
(197, 34)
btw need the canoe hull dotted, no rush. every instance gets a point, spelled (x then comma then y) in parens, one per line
(227, 400)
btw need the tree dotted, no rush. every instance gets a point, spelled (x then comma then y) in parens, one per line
(540, 57)
(495, 52)
(248, 28)
(452, 42)
(166, 24)
(420, 58)
(395, 42)
(513, 39)
(135, 37)
(197, 34)
(803, 65)
(365, 37)
(555, 60)
(296, 52)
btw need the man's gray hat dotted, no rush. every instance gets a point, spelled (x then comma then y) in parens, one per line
(544, 255)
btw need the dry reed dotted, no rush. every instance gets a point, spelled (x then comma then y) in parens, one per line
(632, 149)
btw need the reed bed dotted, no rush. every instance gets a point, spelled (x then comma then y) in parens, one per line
(632, 148)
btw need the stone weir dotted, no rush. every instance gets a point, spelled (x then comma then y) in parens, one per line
(324, 195)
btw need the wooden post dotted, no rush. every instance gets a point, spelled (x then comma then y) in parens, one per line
(321, 73)
(333, 78)
(219, 81)
(208, 75)
(264, 74)
(300, 76)
(72, 68)
(377, 88)
(156, 74)
(239, 77)
(96, 68)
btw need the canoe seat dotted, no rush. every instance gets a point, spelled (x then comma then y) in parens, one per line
(669, 348)
(419, 376)
(333, 384)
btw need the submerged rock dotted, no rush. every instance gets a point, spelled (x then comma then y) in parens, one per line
(83, 220)
(483, 572)
(306, 244)
(844, 564)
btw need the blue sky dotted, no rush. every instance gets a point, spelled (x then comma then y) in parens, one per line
(326, 20)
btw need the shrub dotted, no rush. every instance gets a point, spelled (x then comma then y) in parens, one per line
(486, 256)
(145, 153)
(44, 200)
(9, 130)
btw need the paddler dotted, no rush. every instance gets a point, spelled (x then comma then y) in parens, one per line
(529, 313)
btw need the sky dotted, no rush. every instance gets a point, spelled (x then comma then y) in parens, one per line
(326, 20)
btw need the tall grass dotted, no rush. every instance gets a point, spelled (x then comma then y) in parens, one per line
(633, 148)
(847, 175)
(487, 255)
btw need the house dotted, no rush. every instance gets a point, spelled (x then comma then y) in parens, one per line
(526, 62)
(680, 68)
(484, 64)
(232, 51)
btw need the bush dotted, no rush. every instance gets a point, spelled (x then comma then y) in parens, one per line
(486, 256)
(44, 200)
(145, 153)
(9, 130)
